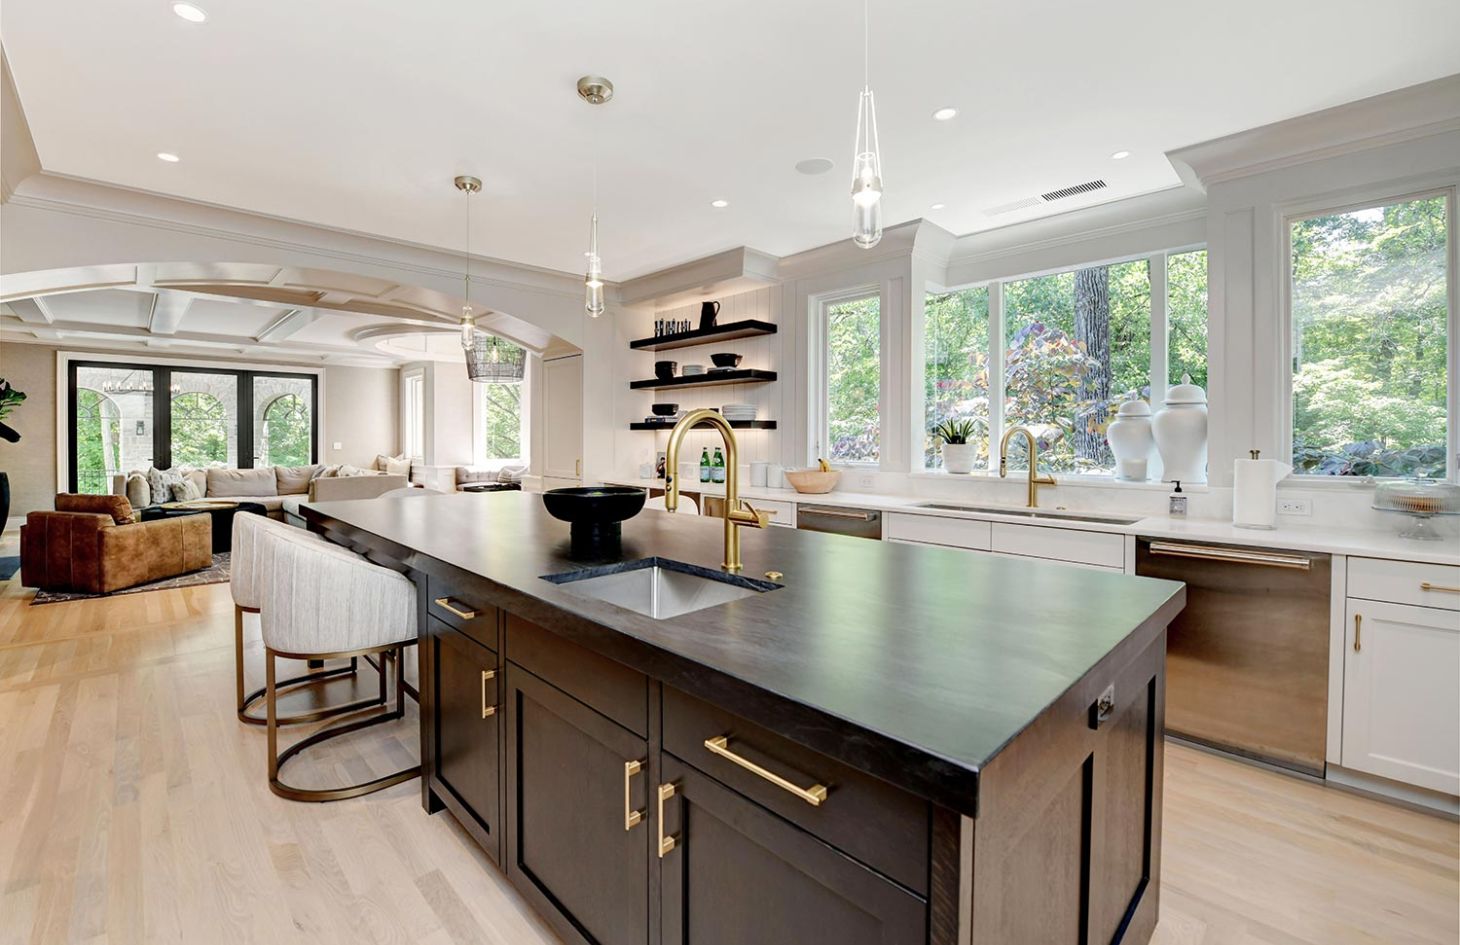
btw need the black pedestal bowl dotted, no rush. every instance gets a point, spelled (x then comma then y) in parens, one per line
(594, 512)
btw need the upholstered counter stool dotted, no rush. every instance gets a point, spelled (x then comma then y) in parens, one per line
(248, 570)
(324, 602)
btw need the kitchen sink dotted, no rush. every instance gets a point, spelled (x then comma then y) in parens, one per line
(1035, 513)
(659, 587)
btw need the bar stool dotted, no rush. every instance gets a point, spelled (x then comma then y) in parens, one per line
(323, 602)
(248, 567)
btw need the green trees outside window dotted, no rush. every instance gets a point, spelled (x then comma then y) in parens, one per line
(97, 441)
(853, 380)
(199, 430)
(502, 417)
(286, 432)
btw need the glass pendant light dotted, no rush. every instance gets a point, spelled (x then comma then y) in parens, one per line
(866, 159)
(595, 90)
(468, 186)
(489, 359)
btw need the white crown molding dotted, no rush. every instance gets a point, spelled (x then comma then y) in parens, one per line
(897, 241)
(18, 157)
(1418, 111)
(140, 351)
(728, 273)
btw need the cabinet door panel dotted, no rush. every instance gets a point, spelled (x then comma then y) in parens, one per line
(1401, 696)
(467, 759)
(568, 849)
(739, 874)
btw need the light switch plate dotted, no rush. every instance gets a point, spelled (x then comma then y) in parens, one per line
(1295, 507)
(339, 446)
(866, 481)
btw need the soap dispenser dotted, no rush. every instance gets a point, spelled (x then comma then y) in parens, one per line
(1177, 505)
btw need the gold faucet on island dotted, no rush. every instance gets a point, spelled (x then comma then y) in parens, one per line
(1035, 479)
(735, 516)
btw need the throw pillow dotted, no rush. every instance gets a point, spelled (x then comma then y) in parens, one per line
(161, 481)
(116, 506)
(139, 494)
(347, 470)
(380, 461)
(185, 490)
(397, 467)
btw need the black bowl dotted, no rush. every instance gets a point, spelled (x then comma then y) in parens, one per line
(726, 360)
(665, 410)
(594, 512)
(664, 370)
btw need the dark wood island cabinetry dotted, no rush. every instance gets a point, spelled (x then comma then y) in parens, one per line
(836, 761)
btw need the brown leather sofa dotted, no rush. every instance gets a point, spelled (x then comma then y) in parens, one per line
(91, 545)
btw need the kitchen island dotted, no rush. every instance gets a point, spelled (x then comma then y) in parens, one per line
(897, 744)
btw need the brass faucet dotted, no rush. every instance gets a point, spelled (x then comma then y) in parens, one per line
(735, 516)
(1035, 479)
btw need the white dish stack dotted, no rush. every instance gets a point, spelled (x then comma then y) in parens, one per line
(739, 412)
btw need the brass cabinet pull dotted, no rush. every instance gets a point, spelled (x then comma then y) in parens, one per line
(1358, 628)
(445, 604)
(1235, 555)
(488, 710)
(632, 817)
(666, 791)
(1427, 586)
(813, 795)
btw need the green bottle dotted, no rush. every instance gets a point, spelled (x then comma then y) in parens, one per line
(705, 465)
(717, 468)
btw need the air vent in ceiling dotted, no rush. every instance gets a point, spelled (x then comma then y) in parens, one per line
(1074, 191)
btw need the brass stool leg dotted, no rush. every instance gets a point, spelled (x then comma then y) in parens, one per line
(277, 760)
(248, 701)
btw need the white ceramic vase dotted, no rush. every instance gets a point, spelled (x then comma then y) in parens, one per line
(959, 458)
(1180, 430)
(1131, 441)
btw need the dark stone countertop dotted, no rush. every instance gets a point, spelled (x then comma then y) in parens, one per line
(917, 664)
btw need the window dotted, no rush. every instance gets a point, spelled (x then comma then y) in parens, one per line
(1186, 317)
(852, 335)
(956, 372)
(1368, 311)
(501, 418)
(413, 439)
(126, 417)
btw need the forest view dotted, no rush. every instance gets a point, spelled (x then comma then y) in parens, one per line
(502, 412)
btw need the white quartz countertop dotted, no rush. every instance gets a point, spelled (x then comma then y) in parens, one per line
(1340, 541)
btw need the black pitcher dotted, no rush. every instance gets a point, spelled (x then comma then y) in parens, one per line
(708, 312)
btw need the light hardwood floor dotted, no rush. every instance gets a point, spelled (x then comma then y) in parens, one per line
(134, 809)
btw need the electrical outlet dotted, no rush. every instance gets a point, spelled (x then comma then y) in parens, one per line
(339, 446)
(1295, 507)
(866, 481)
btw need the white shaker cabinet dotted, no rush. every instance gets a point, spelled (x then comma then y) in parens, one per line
(1401, 701)
(562, 418)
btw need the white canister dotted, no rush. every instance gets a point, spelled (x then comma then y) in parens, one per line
(758, 473)
(1180, 430)
(1131, 440)
(775, 476)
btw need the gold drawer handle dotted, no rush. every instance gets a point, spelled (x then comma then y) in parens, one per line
(1427, 586)
(445, 604)
(813, 795)
(632, 818)
(1358, 629)
(666, 791)
(488, 710)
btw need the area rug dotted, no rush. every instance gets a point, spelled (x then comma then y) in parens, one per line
(216, 573)
(8, 567)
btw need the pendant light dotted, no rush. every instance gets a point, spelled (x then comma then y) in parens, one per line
(595, 90)
(866, 159)
(489, 359)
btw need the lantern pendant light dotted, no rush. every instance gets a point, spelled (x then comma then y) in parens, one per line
(866, 159)
(595, 90)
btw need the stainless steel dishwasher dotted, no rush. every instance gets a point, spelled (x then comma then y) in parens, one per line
(839, 520)
(1247, 660)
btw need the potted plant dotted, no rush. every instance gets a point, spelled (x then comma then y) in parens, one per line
(10, 398)
(959, 455)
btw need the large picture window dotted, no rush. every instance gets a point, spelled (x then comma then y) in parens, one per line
(852, 337)
(1369, 316)
(501, 418)
(127, 417)
(956, 370)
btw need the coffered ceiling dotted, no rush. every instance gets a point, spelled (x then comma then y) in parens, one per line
(356, 114)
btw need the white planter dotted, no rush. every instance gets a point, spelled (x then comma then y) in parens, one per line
(1180, 429)
(959, 458)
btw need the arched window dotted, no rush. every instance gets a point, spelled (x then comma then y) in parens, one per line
(97, 441)
(199, 430)
(286, 432)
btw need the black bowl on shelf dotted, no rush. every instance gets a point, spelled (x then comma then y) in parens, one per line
(594, 512)
(726, 360)
(665, 410)
(664, 370)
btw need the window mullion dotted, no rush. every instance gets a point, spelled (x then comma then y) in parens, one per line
(996, 369)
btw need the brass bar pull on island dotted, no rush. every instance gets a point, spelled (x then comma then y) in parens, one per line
(813, 795)
(1358, 629)
(445, 604)
(488, 710)
(632, 817)
(1427, 586)
(666, 843)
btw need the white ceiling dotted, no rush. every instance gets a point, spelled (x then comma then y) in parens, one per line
(357, 113)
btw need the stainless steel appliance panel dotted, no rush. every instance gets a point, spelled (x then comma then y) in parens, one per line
(839, 520)
(1247, 660)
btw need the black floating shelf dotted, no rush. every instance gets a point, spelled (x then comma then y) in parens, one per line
(735, 424)
(685, 339)
(717, 379)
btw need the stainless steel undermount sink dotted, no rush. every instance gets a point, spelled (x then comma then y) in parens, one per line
(1035, 513)
(659, 587)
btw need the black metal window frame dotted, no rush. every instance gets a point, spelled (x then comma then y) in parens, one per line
(162, 409)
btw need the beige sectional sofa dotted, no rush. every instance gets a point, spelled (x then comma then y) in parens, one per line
(271, 486)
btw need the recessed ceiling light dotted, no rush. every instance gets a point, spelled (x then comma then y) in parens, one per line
(189, 12)
(945, 113)
(814, 166)
(719, 204)
(936, 206)
(168, 156)
(1120, 155)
